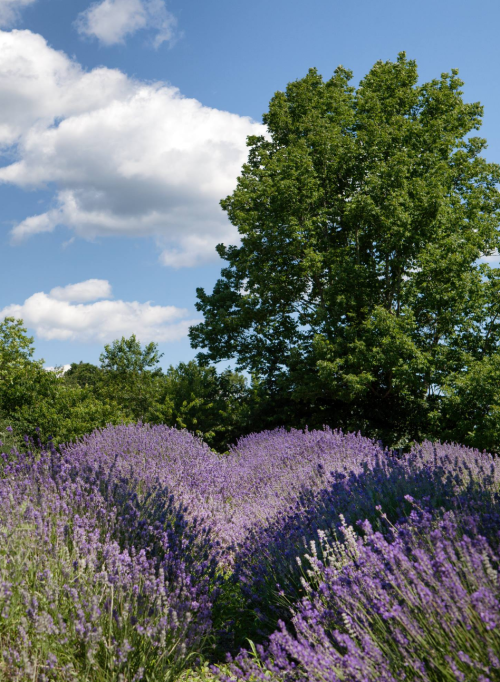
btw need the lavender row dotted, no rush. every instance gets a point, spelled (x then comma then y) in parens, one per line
(129, 553)
(263, 474)
(268, 498)
(100, 578)
(423, 605)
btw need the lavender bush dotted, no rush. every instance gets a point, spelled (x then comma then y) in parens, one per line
(260, 478)
(423, 605)
(132, 552)
(446, 477)
(101, 577)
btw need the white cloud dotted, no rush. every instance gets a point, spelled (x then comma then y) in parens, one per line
(40, 87)
(126, 157)
(59, 369)
(10, 10)
(90, 290)
(111, 21)
(56, 316)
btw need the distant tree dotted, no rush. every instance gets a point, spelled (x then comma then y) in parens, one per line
(209, 404)
(130, 374)
(357, 297)
(16, 347)
(128, 386)
(470, 405)
(65, 413)
(83, 374)
(196, 397)
(22, 380)
(125, 356)
(40, 403)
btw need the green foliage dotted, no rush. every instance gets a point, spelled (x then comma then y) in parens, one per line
(128, 386)
(20, 376)
(127, 357)
(471, 405)
(129, 375)
(16, 348)
(23, 381)
(190, 396)
(66, 413)
(209, 404)
(40, 403)
(357, 297)
(83, 374)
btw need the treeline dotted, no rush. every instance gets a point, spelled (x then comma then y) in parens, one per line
(127, 386)
(360, 297)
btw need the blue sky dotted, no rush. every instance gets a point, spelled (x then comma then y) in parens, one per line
(123, 122)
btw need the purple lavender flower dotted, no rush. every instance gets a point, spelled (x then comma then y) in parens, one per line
(423, 606)
(118, 552)
(99, 572)
(359, 483)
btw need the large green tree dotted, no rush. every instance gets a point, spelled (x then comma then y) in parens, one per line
(357, 297)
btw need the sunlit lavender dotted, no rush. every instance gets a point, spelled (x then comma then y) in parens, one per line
(137, 553)
(422, 605)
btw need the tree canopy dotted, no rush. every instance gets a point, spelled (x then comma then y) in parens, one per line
(358, 296)
(129, 385)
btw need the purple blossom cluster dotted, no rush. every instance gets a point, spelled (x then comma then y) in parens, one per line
(102, 576)
(440, 477)
(422, 605)
(260, 478)
(126, 555)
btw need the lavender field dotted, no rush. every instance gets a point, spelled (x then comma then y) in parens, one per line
(137, 553)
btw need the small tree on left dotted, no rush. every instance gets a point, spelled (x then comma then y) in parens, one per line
(38, 403)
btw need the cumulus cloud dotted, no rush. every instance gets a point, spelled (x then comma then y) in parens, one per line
(111, 21)
(90, 290)
(10, 11)
(126, 157)
(61, 315)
